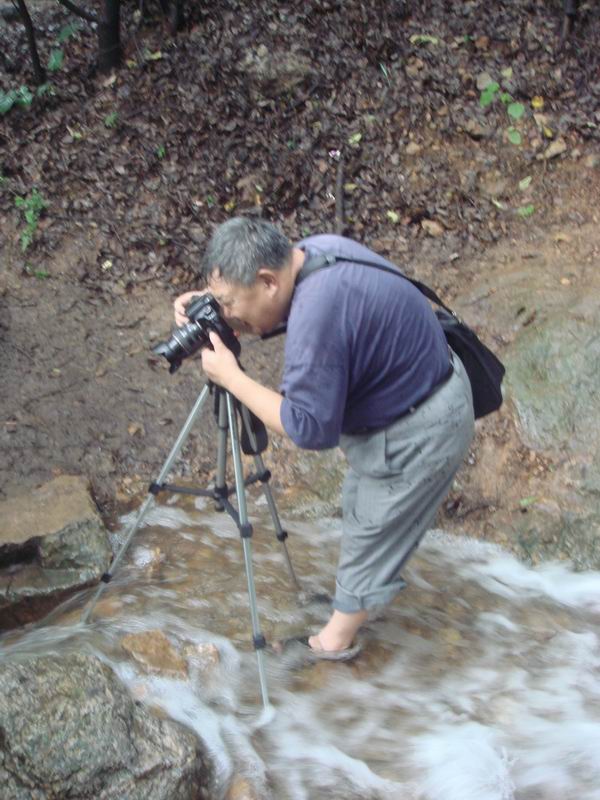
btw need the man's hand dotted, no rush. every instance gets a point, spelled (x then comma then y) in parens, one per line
(220, 365)
(179, 305)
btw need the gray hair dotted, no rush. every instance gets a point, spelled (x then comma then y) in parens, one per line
(239, 247)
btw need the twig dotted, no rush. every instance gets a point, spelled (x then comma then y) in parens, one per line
(339, 198)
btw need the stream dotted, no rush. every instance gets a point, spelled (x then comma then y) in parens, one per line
(480, 682)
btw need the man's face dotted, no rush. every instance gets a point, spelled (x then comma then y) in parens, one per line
(249, 309)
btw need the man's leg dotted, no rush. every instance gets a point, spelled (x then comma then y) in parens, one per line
(394, 485)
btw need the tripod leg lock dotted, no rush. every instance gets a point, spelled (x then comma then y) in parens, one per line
(106, 578)
(259, 642)
(265, 476)
(246, 531)
(155, 488)
(282, 536)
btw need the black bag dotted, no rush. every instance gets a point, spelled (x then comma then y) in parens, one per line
(485, 370)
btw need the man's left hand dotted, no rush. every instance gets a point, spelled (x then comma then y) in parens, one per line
(220, 365)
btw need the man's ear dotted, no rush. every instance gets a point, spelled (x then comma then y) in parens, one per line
(269, 279)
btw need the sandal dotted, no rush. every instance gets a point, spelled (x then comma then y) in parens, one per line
(298, 645)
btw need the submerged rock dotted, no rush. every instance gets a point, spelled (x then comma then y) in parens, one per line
(68, 728)
(153, 650)
(52, 542)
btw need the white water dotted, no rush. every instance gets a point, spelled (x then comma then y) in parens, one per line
(481, 682)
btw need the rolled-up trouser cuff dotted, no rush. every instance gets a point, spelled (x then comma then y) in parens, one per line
(351, 603)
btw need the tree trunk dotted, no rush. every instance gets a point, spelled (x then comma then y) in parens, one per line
(38, 71)
(173, 11)
(109, 39)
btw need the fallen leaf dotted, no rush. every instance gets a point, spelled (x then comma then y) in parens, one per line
(525, 183)
(561, 237)
(526, 211)
(134, 428)
(423, 38)
(537, 102)
(557, 148)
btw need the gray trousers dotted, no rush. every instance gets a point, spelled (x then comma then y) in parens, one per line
(396, 480)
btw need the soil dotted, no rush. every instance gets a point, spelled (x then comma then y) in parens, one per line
(277, 110)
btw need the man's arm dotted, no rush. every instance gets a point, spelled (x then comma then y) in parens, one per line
(263, 402)
(221, 367)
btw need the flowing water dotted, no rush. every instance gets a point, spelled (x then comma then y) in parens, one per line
(480, 682)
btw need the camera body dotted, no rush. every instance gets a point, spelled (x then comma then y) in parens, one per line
(204, 314)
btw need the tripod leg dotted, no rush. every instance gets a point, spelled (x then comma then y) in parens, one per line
(260, 466)
(222, 425)
(149, 501)
(246, 534)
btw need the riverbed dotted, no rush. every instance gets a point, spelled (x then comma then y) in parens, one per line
(480, 682)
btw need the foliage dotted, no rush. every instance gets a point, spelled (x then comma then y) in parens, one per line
(32, 206)
(23, 96)
(515, 110)
(111, 120)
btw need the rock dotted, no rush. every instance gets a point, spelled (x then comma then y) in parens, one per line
(591, 161)
(493, 184)
(68, 728)
(204, 655)
(52, 542)
(155, 651)
(241, 789)
(432, 228)
(483, 80)
(413, 149)
(275, 72)
(476, 130)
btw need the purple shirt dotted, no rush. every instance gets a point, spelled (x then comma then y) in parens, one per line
(362, 347)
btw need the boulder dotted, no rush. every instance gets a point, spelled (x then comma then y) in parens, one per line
(273, 73)
(52, 543)
(68, 728)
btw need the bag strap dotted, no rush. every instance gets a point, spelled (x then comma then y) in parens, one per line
(329, 259)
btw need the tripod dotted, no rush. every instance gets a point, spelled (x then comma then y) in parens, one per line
(253, 442)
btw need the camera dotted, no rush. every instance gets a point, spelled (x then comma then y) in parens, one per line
(204, 315)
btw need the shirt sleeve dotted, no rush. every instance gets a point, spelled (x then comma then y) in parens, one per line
(312, 410)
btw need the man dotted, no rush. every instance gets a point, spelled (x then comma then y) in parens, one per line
(367, 367)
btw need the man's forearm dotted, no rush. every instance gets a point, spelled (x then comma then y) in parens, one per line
(263, 402)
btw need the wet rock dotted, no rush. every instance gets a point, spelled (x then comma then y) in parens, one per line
(242, 789)
(153, 650)
(68, 728)
(203, 655)
(52, 542)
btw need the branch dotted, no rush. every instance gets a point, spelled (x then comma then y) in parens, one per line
(38, 70)
(80, 12)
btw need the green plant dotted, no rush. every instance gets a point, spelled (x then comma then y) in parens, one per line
(515, 110)
(161, 151)
(111, 120)
(32, 206)
(41, 274)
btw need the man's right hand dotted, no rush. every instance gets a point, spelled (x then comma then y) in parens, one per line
(179, 305)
